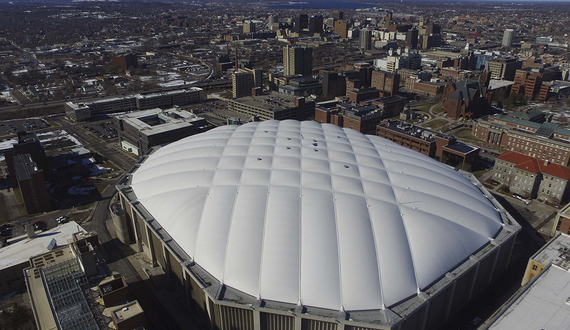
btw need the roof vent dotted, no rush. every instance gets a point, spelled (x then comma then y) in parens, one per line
(546, 162)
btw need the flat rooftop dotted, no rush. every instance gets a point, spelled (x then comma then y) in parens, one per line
(157, 121)
(544, 304)
(555, 252)
(273, 101)
(25, 166)
(24, 248)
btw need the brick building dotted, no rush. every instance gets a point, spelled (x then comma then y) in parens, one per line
(362, 94)
(533, 177)
(442, 147)
(341, 28)
(545, 141)
(428, 88)
(466, 99)
(124, 62)
(362, 117)
(528, 81)
(386, 82)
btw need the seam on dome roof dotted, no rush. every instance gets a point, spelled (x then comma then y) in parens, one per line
(261, 253)
(208, 194)
(401, 219)
(232, 217)
(447, 200)
(341, 296)
(378, 266)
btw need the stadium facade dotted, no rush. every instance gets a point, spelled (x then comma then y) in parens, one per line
(302, 225)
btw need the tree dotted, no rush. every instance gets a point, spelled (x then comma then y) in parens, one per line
(19, 317)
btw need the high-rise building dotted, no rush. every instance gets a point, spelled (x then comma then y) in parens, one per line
(508, 37)
(333, 85)
(248, 27)
(503, 68)
(365, 39)
(316, 25)
(297, 60)
(301, 22)
(273, 19)
(412, 39)
(341, 28)
(242, 84)
(337, 14)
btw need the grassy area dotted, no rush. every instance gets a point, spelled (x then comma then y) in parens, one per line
(3, 210)
(465, 134)
(100, 187)
(436, 123)
(438, 108)
(423, 107)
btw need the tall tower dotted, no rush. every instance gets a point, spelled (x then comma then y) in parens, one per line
(365, 39)
(315, 25)
(508, 37)
(297, 60)
(242, 84)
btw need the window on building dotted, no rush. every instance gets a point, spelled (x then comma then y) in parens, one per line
(534, 267)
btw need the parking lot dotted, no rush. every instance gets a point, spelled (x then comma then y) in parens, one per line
(103, 129)
(10, 127)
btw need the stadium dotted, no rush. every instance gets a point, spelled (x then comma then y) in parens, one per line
(302, 225)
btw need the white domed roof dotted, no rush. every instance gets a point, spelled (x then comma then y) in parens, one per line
(302, 212)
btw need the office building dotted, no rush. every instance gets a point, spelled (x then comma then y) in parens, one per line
(406, 59)
(333, 85)
(124, 62)
(503, 68)
(139, 131)
(365, 39)
(341, 28)
(442, 147)
(387, 83)
(297, 61)
(337, 14)
(305, 86)
(412, 38)
(508, 38)
(242, 84)
(273, 106)
(32, 183)
(315, 25)
(249, 27)
(528, 81)
(328, 228)
(546, 141)
(28, 143)
(301, 22)
(85, 110)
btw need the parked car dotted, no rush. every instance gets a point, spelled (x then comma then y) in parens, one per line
(40, 225)
(62, 220)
